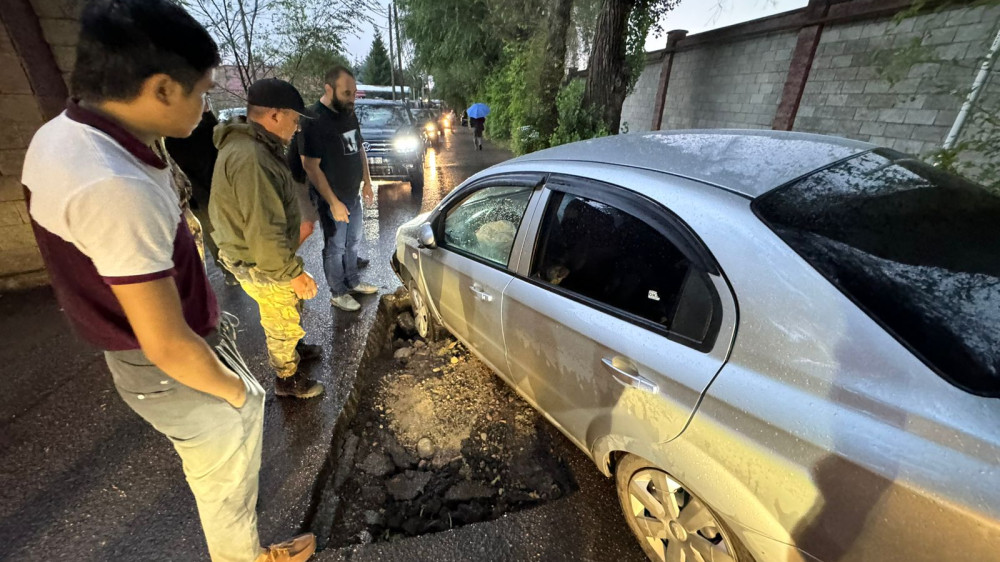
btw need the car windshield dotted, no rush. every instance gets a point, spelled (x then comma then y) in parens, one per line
(915, 247)
(381, 116)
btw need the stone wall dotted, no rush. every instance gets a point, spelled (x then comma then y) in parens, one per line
(845, 96)
(636, 111)
(732, 85)
(736, 77)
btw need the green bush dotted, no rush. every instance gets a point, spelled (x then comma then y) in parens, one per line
(575, 121)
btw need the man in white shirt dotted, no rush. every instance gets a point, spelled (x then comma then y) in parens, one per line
(124, 265)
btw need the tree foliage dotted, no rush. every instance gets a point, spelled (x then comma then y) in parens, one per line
(377, 68)
(290, 38)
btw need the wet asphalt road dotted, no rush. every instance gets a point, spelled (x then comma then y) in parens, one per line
(83, 478)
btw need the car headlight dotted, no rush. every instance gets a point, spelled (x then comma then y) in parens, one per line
(430, 128)
(406, 144)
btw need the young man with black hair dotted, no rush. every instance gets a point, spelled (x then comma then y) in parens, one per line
(258, 226)
(334, 159)
(125, 268)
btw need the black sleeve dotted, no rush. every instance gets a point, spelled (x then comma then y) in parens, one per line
(310, 141)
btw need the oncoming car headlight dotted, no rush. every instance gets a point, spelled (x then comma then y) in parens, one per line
(406, 144)
(431, 127)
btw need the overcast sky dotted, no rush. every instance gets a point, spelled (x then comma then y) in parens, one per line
(692, 15)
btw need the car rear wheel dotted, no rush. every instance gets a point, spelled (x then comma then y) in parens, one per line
(671, 523)
(427, 328)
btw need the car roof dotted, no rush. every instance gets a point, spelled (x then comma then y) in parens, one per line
(749, 162)
(378, 102)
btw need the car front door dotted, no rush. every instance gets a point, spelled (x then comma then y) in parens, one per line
(466, 273)
(620, 320)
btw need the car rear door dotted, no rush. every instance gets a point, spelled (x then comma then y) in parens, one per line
(619, 320)
(465, 275)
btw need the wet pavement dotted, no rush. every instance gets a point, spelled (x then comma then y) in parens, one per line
(83, 478)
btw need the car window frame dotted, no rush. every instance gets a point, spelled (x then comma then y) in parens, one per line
(639, 206)
(531, 181)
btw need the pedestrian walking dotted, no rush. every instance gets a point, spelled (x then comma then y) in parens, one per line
(258, 226)
(478, 126)
(124, 265)
(335, 162)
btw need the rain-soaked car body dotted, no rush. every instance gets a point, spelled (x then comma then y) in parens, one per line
(782, 346)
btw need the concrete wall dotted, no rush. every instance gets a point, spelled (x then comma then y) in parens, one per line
(733, 85)
(636, 111)
(736, 77)
(845, 96)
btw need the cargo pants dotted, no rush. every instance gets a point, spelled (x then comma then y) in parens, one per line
(219, 445)
(280, 316)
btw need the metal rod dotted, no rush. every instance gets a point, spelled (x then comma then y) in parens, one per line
(970, 100)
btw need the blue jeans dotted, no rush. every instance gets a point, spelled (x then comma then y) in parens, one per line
(341, 242)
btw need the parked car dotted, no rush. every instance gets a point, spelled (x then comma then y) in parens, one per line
(392, 140)
(232, 113)
(781, 346)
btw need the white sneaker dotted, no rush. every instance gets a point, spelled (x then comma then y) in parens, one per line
(364, 289)
(346, 302)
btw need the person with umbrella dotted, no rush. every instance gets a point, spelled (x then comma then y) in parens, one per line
(477, 118)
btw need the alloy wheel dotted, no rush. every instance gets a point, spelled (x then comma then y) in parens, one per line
(677, 526)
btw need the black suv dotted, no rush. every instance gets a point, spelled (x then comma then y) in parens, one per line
(393, 141)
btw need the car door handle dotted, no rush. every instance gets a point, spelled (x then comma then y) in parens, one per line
(481, 294)
(625, 372)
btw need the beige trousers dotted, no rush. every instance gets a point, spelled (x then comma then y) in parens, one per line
(219, 445)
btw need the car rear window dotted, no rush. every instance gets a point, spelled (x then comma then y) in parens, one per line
(915, 247)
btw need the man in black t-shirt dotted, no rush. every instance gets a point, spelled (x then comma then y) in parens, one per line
(337, 166)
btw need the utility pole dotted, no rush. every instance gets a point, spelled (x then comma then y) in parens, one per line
(399, 50)
(392, 71)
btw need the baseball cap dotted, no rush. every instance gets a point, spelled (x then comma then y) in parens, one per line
(277, 94)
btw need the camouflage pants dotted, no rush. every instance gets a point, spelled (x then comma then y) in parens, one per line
(280, 316)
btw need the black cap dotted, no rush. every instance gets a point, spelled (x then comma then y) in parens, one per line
(277, 94)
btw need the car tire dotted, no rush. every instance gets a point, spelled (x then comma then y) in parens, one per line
(635, 475)
(427, 327)
(417, 179)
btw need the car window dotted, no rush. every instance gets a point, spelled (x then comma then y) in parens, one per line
(485, 223)
(606, 255)
(381, 116)
(917, 248)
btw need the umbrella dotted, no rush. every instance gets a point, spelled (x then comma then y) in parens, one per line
(478, 110)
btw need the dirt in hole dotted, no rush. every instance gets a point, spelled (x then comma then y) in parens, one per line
(442, 442)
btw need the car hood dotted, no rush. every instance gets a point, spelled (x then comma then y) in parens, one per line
(381, 134)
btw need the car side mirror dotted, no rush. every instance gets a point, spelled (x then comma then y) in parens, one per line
(426, 236)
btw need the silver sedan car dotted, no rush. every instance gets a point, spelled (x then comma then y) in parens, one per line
(781, 346)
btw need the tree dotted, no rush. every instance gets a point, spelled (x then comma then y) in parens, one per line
(377, 68)
(293, 38)
(553, 66)
(619, 37)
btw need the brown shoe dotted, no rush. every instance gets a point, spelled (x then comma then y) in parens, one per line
(298, 549)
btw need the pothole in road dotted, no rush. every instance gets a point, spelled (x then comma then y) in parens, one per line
(440, 442)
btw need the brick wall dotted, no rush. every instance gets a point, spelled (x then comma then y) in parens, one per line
(21, 114)
(732, 85)
(845, 96)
